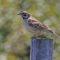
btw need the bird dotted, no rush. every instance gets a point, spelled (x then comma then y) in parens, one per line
(33, 25)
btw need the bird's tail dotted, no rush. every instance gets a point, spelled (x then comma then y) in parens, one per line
(54, 33)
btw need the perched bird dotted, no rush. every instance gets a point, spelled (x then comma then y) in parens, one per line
(33, 25)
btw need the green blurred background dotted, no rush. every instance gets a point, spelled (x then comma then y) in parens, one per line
(14, 38)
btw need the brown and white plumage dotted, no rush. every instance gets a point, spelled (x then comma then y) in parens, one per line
(33, 25)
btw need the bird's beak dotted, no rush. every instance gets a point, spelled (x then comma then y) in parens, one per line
(19, 14)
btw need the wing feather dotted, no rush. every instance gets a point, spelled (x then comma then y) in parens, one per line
(36, 24)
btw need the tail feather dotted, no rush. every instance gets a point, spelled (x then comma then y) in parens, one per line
(54, 33)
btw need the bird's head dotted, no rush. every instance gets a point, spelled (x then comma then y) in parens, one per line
(24, 14)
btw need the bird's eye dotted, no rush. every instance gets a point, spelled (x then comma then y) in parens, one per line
(25, 15)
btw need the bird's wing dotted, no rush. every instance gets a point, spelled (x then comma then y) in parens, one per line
(36, 24)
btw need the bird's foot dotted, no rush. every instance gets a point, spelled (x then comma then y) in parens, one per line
(40, 36)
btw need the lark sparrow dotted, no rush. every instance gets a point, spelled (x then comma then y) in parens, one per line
(33, 25)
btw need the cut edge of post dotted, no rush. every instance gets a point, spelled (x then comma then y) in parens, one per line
(40, 43)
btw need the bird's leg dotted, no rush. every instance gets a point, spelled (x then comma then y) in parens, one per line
(40, 35)
(36, 35)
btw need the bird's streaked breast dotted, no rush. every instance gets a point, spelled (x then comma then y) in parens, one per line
(27, 26)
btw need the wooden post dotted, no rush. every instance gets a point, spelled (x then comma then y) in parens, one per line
(41, 49)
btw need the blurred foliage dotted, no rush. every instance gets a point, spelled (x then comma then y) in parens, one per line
(14, 38)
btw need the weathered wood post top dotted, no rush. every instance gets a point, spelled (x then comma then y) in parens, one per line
(41, 49)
